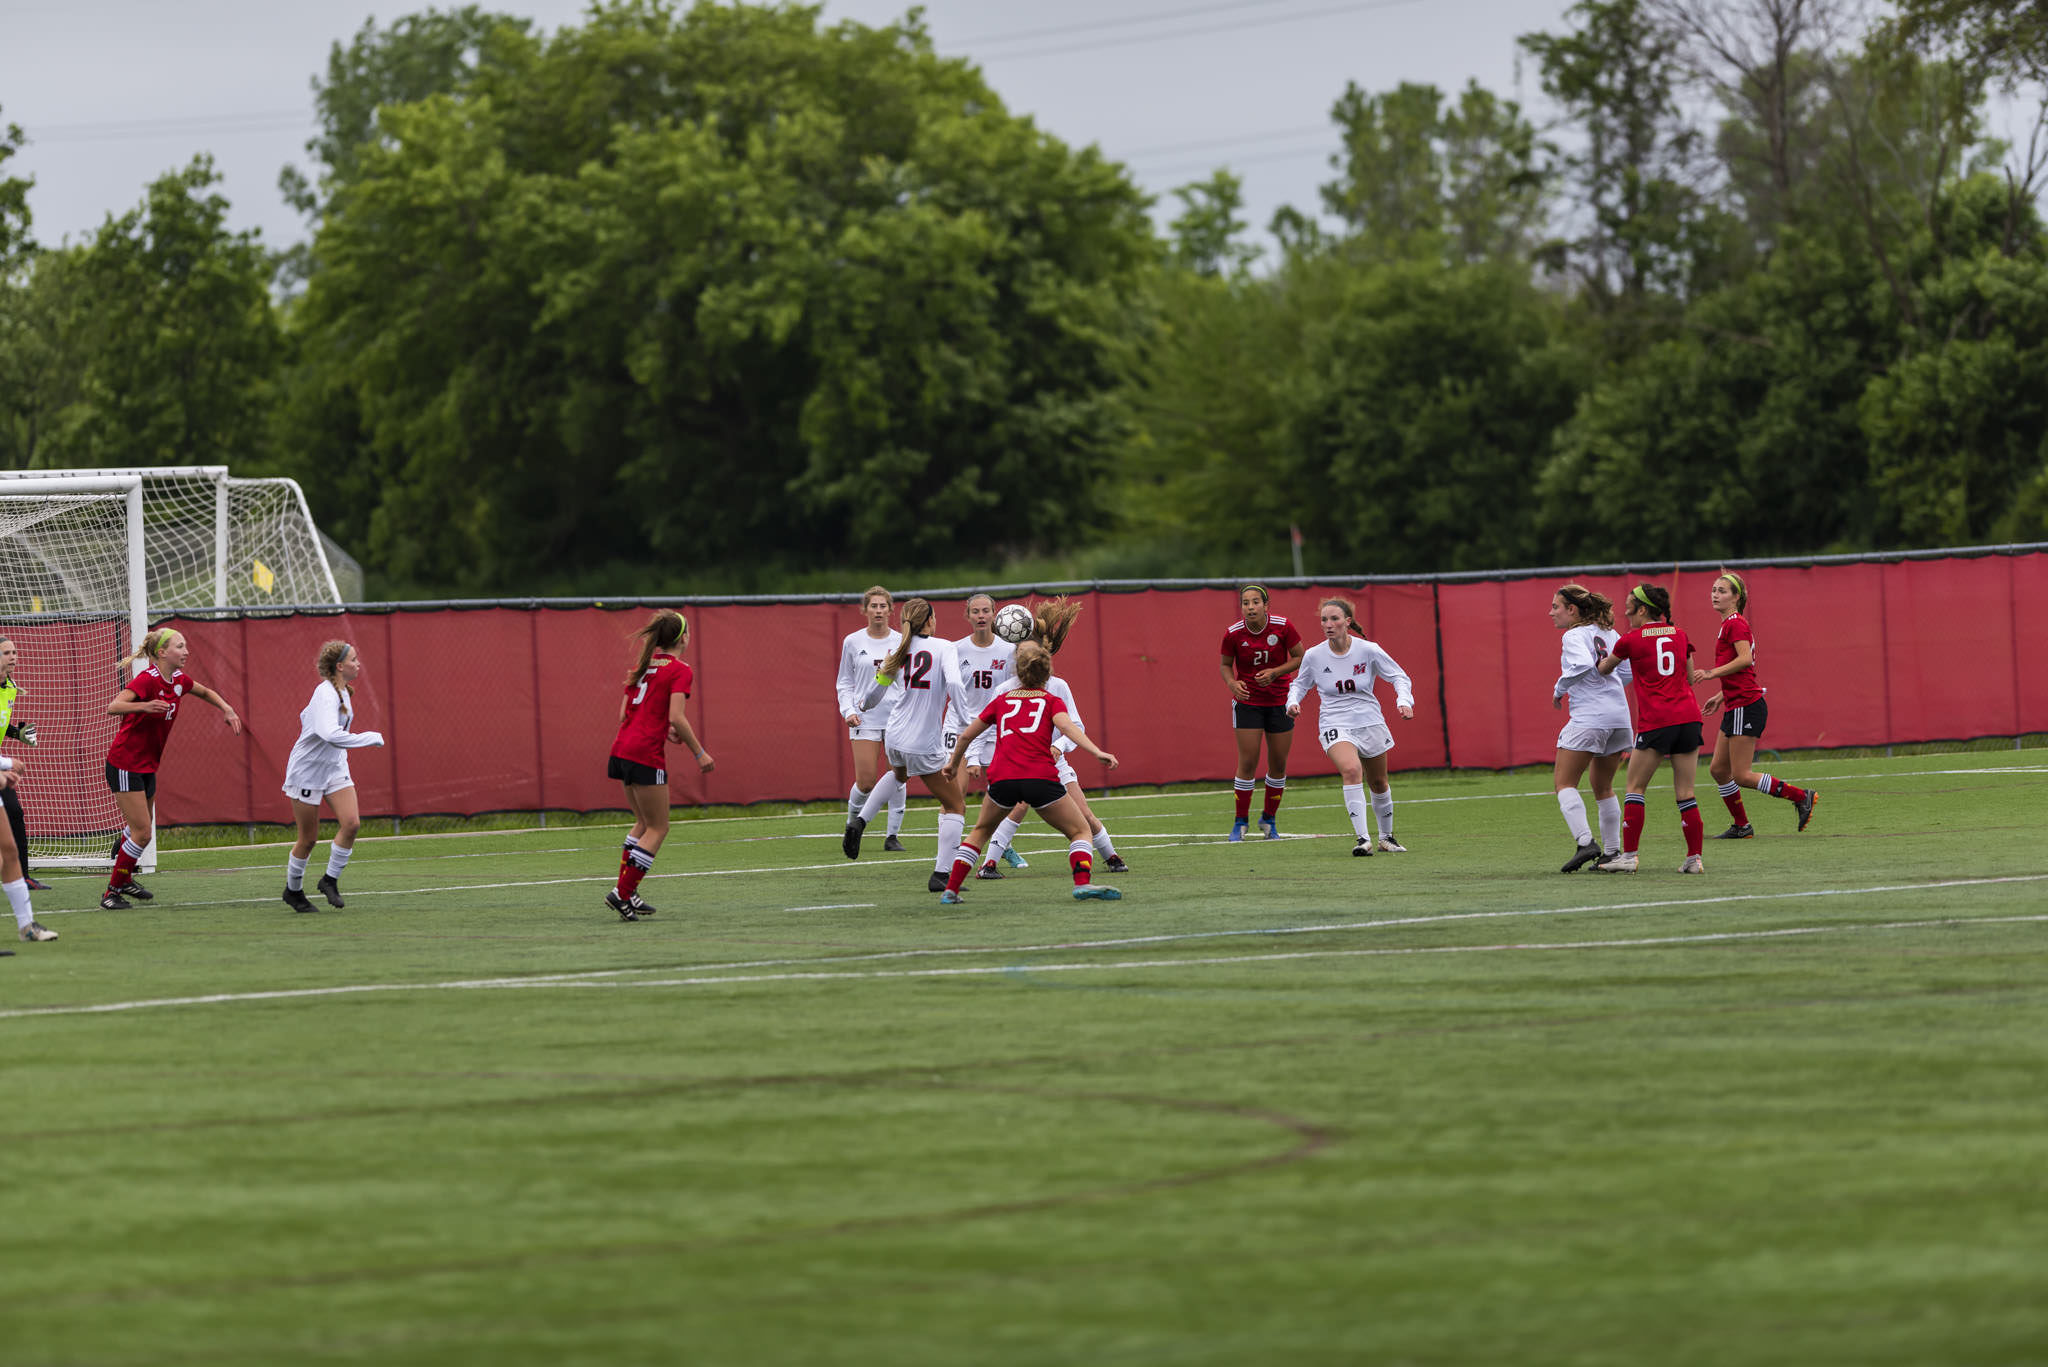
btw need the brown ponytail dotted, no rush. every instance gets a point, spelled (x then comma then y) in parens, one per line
(1033, 663)
(917, 621)
(1055, 618)
(1594, 608)
(663, 630)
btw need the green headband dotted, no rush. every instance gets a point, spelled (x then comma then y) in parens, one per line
(1741, 589)
(1641, 597)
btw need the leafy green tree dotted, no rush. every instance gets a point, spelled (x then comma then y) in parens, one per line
(15, 219)
(43, 327)
(716, 285)
(1208, 235)
(1420, 177)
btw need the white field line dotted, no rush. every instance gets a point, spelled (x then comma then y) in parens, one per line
(825, 809)
(833, 906)
(726, 973)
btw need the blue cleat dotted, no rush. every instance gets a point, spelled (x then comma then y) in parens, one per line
(1097, 892)
(951, 898)
(1236, 831)
(1014, 859)
(1270, 827)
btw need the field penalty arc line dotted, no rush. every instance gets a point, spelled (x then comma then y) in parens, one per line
(735, 972)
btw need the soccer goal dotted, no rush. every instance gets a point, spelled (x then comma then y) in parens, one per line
(88, 558)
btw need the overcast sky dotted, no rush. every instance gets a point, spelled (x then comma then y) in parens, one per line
(112, 93)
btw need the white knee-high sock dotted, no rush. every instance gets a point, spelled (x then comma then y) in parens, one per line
(1355, 806)
(881, 795)
(950, 826)
(295, 871)
(337, 859)
(1610, 824)
(1103, 844)
(1383, 808)
(854, 797)
(1006, 831)
(1574, 808)
(897, 802)
(17, 897)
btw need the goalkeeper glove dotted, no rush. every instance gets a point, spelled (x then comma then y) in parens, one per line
(23, 731)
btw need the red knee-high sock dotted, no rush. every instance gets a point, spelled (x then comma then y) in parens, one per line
(1275, 790)
(637, 865)
(1082, 860)
(125, 860)
(1695, 829)
(1631, 822)
(1732, 795)
(1777, 787)
(1244, 799)
(963, 865)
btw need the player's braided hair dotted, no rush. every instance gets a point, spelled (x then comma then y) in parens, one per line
(1656, 599)
(917, 621)
(663, 630)
(1596, 608)
(1034, 665)
(331, 656)
(1055, 618)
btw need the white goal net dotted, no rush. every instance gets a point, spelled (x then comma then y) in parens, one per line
(88, 558)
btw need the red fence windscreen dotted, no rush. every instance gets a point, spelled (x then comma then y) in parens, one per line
(512, 708)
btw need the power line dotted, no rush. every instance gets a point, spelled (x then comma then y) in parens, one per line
(1231, 163)
(1356, 7)
(1207, 144)
(1062, 30)
(196, 125)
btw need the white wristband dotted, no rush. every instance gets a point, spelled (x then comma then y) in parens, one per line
(5, 764)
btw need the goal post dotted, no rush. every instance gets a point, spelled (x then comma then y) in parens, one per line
(88, 559)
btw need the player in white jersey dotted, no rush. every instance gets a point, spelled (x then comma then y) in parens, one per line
(921, 680)
(317, 771)
(1006, 831)
(986, 668)
(1342, 670)
(1600, 733)
(860, 655)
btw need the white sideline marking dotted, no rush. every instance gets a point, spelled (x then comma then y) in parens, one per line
(595, 976)
(833, 906)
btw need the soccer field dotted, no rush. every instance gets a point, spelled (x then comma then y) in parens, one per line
(1278, 1105)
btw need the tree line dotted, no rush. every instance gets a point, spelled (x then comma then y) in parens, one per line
(725, 285)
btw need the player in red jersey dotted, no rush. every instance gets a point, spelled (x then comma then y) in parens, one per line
(147, 708)
(650, 717)
(1668, 722)
(1025, 769)
(1259, 652)
(1743, 712)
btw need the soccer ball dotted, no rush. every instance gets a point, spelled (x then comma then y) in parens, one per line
(1015, 623)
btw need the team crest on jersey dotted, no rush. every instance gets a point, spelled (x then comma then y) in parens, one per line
(1272, 638)
(1361, 669)
(178, 689)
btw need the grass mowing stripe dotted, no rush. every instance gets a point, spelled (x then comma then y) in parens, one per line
(986, 970)
(592, 977)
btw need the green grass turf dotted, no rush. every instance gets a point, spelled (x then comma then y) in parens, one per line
(1278, 1105)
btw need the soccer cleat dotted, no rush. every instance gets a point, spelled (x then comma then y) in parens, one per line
(1389, 845)
(36, 884)
(296, 899)
(37, 931)
(1617, 863)
(1097, 892)
(1237, 829)
(851, 841)
(894, 846)
(988, 870)
(1806, 806)
(935, 883)
(113, 901)
(1741, 830)
(330, 888)
(1363, 849)
(1270, 827)
(131, 888)
(640, 908)
(951, 898)
(1014, 859)
(1693, 864)
(621, 906)
(1115, 864)
(1587, 853)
